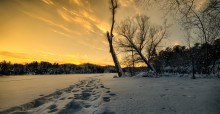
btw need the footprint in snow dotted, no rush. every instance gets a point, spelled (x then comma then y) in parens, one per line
(106, 99)
(53, 108)
(62, 98)
(162, 95)
(112, 94)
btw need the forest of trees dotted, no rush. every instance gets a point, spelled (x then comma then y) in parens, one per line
(175, 59)
(38, 68)
(178, 59)
(139, 39)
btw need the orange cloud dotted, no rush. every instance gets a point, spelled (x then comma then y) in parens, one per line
(48, 21)
(125, 3)
(7, 54)
(200, 4)
(61, 33)
(48, 2)
(84, 18)
(76, 2)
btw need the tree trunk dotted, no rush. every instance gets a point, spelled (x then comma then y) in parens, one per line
(193, 67)
(143, 58)
(114, 57)
(114, 6)
(132, 54)
(146, 62)
(206, 58)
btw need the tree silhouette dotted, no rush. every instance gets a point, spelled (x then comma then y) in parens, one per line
(141, 36)
(114, 6)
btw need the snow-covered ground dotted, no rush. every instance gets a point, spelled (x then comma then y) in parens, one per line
(165, 95)
(17, 90)
(102, 94)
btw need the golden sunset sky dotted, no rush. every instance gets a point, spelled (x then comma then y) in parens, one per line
(66, 31)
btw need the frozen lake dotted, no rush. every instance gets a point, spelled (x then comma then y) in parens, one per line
(17, 90)
(101, 94)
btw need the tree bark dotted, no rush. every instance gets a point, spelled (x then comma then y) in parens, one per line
(132, 54)
(114, 57)
(114, 6)
(193, 68)
(146, 62)
(144, 58)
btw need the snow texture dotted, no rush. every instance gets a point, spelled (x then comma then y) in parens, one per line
(103, 94)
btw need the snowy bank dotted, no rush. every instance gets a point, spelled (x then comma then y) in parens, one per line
(103, 94)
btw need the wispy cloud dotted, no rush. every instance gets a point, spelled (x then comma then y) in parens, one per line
(63, 12)
(125, 3)
(76, 1)
(48, 2)
(81, 15)
(200, 4)
(48, 21)
(61, 33)
(8, 54)
(85, 18)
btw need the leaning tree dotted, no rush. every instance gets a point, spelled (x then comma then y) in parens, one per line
(137, 34)
(113, 7)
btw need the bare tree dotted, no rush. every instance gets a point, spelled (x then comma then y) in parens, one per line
(139, 35)
(192, 54)
(129, 61)
(201, 19)
(113, 7)
(130, 54)
(156, 35)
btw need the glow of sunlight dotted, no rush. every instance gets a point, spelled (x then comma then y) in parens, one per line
(70, 31)
(200, 4)
(176, 43)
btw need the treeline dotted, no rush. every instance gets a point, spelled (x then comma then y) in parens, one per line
(181, 59)
(178, 59)
(38, 68)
